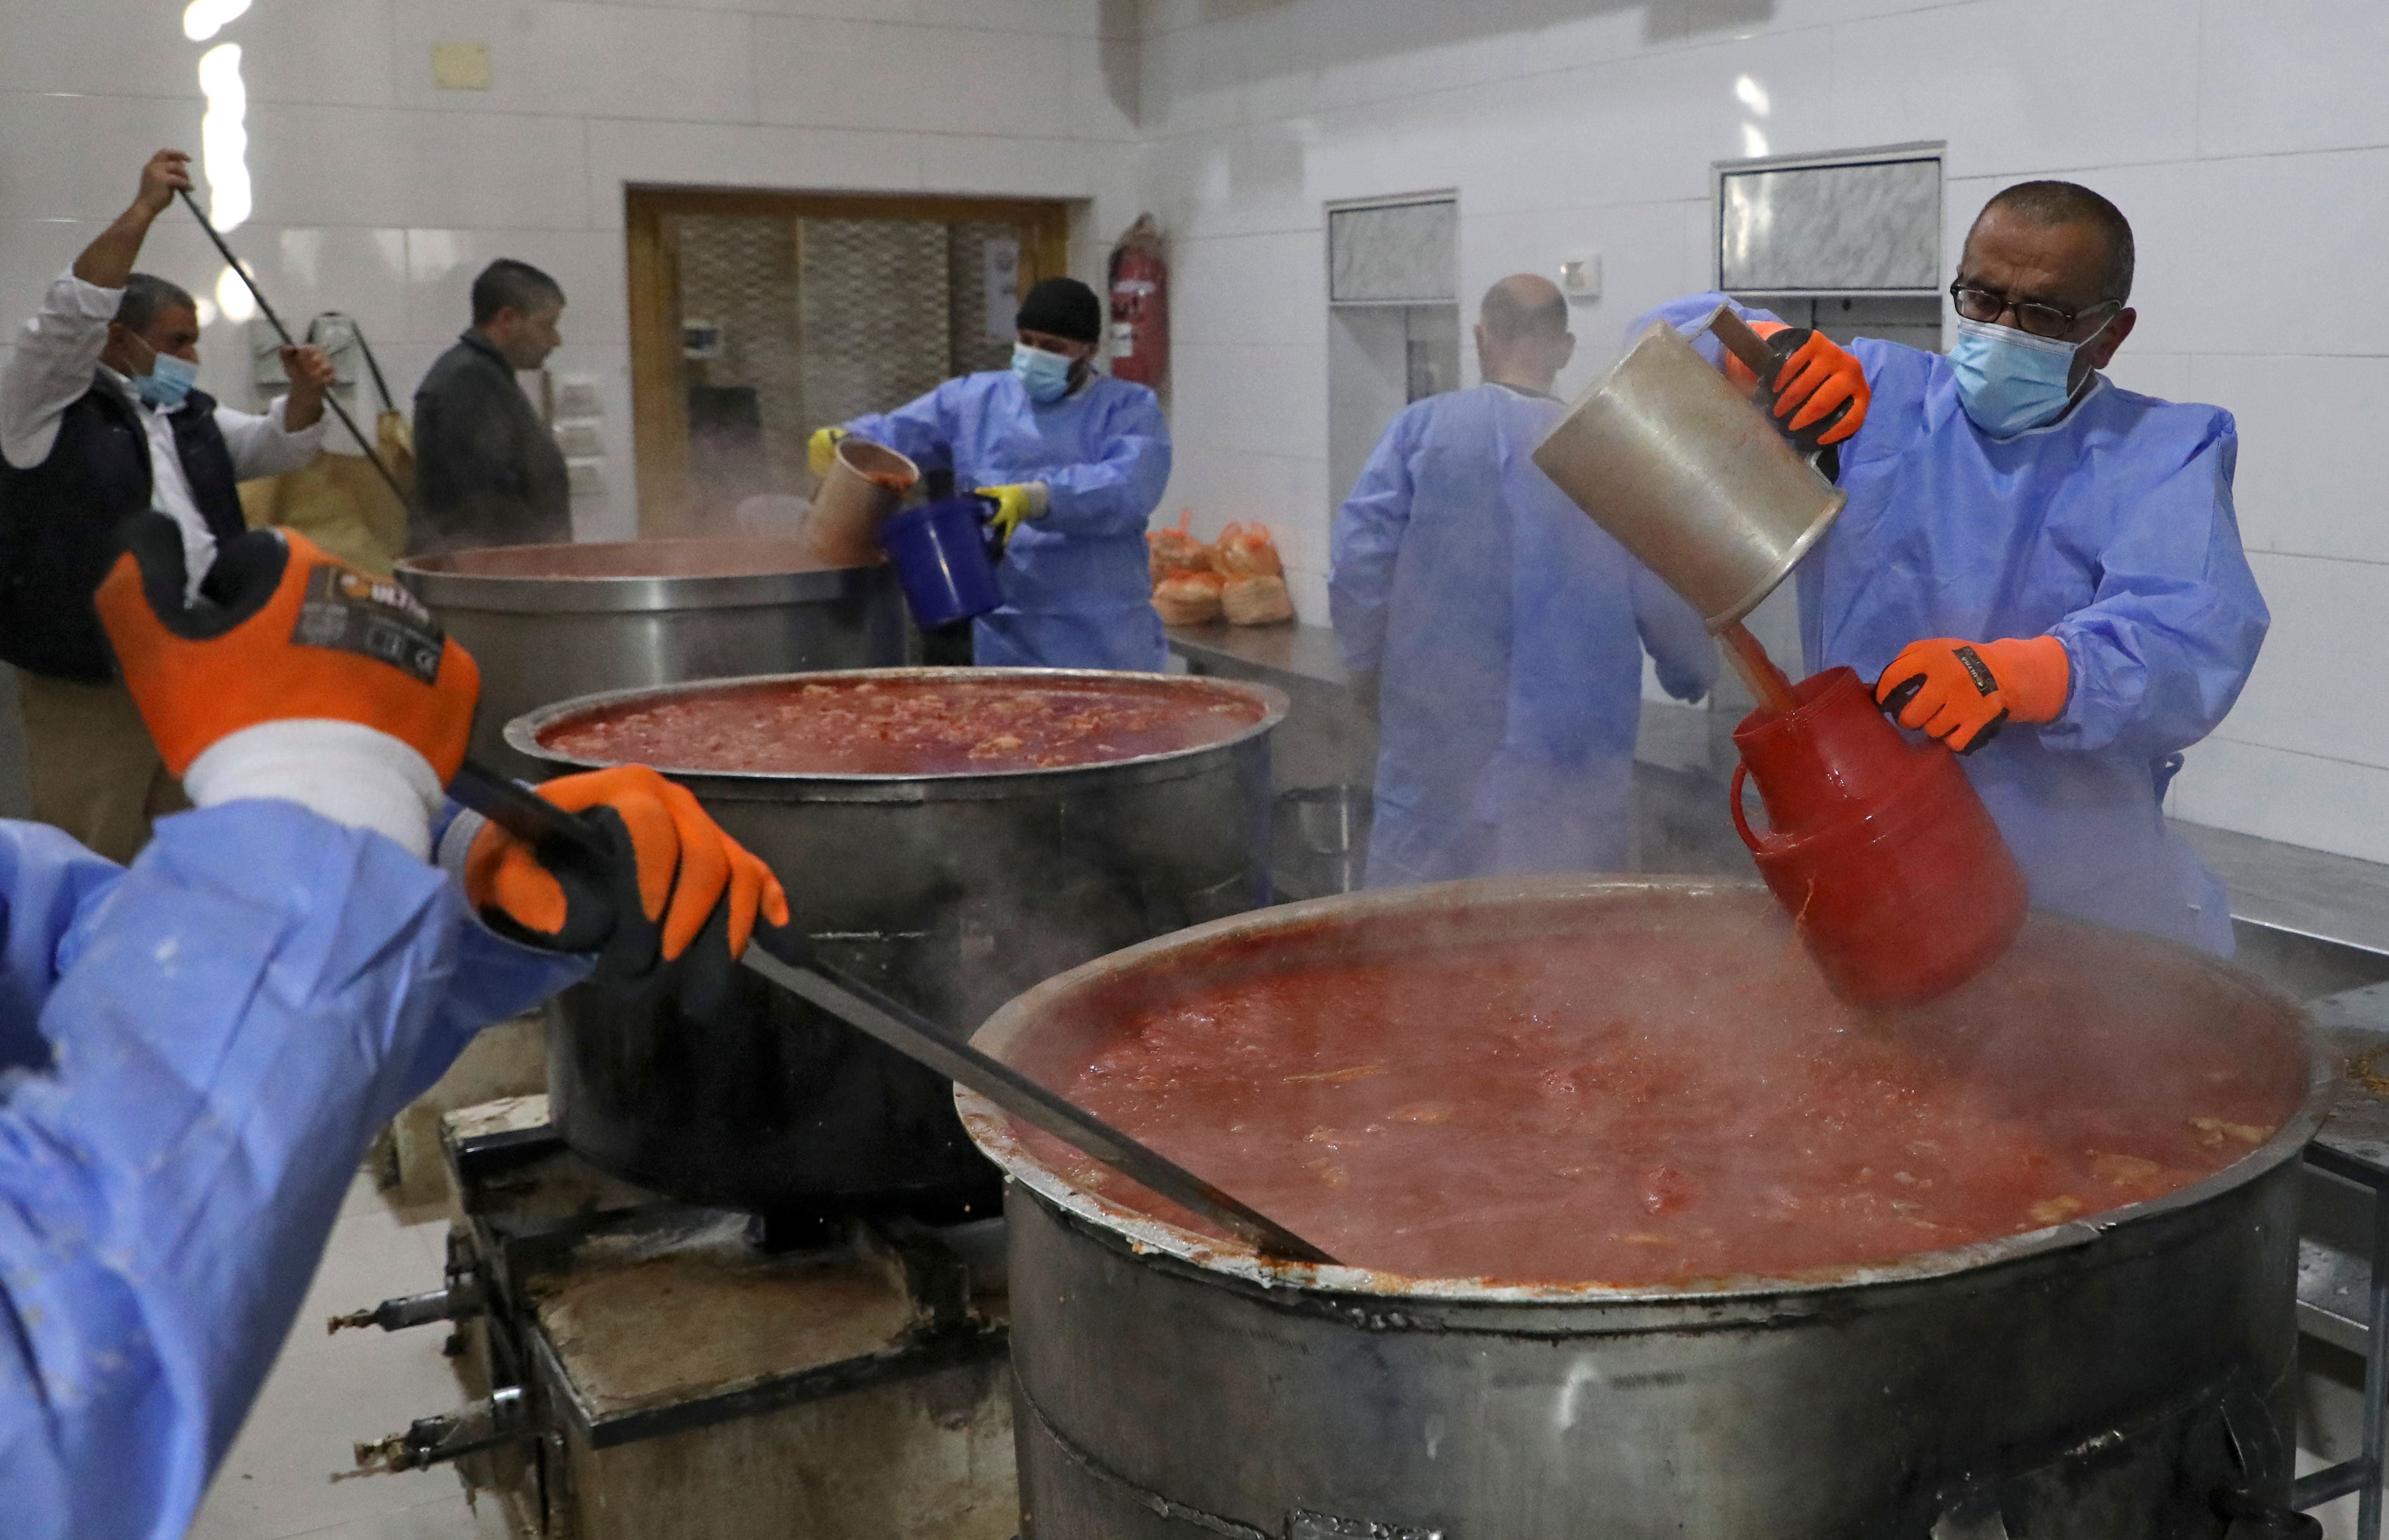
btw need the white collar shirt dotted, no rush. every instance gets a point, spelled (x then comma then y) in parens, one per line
(53, 365)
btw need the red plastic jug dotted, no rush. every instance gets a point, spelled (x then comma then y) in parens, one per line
(1893, 870)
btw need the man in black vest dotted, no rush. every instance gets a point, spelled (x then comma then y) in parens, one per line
(99, 421)
(487, 471)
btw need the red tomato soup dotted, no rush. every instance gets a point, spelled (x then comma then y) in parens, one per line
(908, 726)
(1654, 1103)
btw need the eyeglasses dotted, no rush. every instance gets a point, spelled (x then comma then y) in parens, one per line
(2033, 317)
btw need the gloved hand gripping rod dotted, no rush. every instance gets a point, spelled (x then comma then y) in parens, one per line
(267, 311)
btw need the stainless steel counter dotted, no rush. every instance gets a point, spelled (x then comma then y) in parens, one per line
(2332, 898)
(1272, 654)
(1326, 739)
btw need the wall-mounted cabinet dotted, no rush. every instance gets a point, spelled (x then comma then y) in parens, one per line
(1859, 222)
(1400, 253)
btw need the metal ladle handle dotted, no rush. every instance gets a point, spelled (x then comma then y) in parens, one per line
(1736, 335)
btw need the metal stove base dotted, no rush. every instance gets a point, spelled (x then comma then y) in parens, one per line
(650, 1371)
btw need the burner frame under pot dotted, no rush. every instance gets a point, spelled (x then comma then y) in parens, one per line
(666, 1377)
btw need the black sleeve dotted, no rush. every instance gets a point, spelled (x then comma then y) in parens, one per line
(470, 460)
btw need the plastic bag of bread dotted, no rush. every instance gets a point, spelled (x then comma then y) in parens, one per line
(1255, 600)
(1188, 598)
(1176, 551)
(1246, 550)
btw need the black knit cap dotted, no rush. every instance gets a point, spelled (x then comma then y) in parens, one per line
(1064, 307)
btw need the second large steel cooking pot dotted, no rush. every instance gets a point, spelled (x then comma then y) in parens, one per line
(952, 893)
(551, 622)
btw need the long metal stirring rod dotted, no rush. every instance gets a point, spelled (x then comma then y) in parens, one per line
(864, 1008)
(538, 821)
(258, 294)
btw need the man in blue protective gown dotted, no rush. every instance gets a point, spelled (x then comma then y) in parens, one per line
(194, 1049)
(2036, 566)
(1075, 462)
(1496, 631)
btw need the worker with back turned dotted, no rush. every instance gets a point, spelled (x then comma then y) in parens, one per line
(1074, 462)
(100, 420)
(2036, 566)
(1497, 634)
(194, 1050)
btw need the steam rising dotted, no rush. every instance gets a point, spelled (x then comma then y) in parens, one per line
(1650, 1087)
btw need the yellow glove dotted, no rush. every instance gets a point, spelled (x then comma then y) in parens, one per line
(1014, 503)
(822, 448)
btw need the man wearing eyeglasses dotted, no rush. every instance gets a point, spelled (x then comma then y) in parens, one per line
(2029, 546)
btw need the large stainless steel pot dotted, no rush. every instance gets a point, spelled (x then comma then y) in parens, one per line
(953, 892)
(547, 622)
(2097, 1380)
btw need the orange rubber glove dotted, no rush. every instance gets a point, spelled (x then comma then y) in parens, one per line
(1814, 379)
(675, 876)
(1963, 692)
(1822, 386)
(290, 674)
(279, 630)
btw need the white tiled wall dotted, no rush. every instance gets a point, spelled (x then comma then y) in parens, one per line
(378, 193)
(2247, 140)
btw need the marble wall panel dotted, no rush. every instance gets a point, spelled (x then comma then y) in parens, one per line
(1405, 252)
(1822, 227)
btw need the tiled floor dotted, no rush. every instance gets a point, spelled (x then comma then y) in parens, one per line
(326, 1393)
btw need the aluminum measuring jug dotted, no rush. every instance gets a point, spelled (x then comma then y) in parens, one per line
(1688, 474)
(864, 484)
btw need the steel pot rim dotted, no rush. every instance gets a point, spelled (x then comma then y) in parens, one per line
(567, 594)
(1127, 1230)
(523, 734)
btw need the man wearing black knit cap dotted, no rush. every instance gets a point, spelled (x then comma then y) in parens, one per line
(1076, 462)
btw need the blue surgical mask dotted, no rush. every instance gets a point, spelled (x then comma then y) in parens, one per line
(2010, 381)
(1046, 375)
(168, 382)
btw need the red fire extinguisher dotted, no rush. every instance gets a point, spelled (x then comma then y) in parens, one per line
(1140, 282)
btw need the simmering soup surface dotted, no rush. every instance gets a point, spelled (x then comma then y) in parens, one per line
(1664, 1100)
(909, 726)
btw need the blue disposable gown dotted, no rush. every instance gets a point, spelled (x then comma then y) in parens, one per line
(2112, 530)
(1508, 631)
(193, 1053)
(1077, 591)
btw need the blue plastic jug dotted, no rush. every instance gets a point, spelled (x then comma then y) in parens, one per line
(942, 560)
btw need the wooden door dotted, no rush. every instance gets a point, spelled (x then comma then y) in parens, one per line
(757, 317)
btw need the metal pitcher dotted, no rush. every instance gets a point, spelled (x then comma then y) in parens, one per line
(1688, 475)
(866, 483)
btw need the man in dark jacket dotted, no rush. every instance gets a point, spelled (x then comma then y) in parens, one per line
(99, 421)
(487, 471)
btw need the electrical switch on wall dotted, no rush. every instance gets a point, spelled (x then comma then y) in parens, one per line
(1580, 276)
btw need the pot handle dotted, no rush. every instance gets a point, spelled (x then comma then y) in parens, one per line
(2245, 1511)
(1741, 820)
